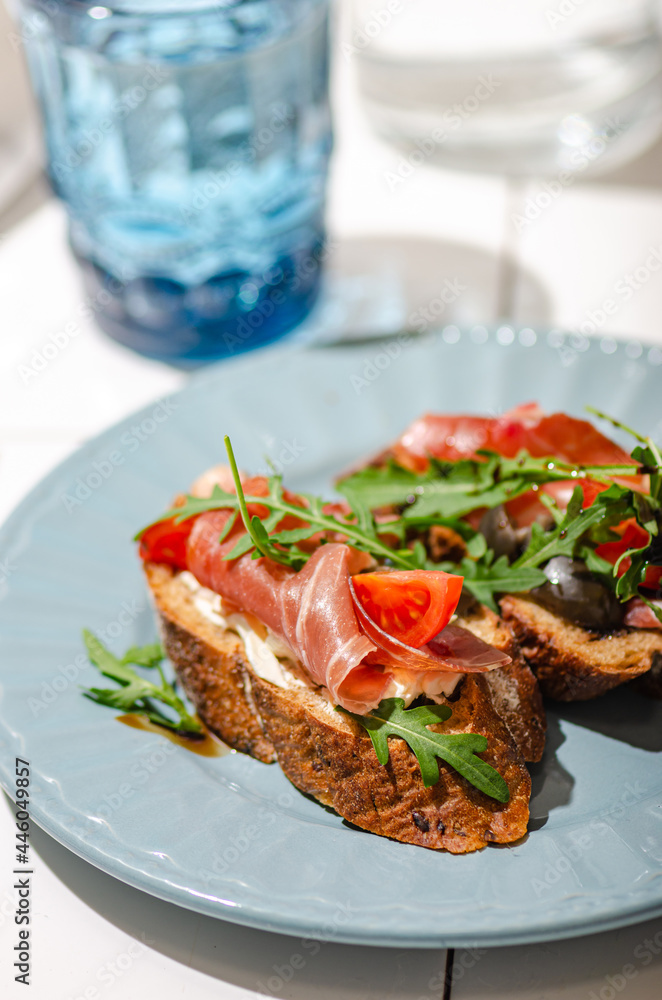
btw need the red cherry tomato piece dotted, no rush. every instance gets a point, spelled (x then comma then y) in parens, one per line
(165, 542)
(411, 605)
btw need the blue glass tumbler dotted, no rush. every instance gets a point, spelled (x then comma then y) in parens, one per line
(190, 141)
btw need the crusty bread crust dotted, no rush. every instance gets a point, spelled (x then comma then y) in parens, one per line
(336, 763)
(514, 690)
(573, 663)
(211, 666)
(331, 757)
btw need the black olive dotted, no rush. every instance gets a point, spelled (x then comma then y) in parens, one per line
(501, 534)
(576, 594)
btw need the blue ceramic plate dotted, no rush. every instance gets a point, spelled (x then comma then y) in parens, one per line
(228, 836)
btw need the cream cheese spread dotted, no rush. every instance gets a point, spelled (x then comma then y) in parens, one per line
(273, 661)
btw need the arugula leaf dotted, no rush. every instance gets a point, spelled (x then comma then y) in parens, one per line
(563, 538)
(477, 546)
(456, 495)
(453, 489)
(556, 513)
(391, 718)
(647, 512)
(648, 457)
(365, 520)
(595, 563)
(650, 460)
(136, 693)
(144, 656)
(446, 490)
(362, 534)
(381, 486)
(484, 578)
(627, 585)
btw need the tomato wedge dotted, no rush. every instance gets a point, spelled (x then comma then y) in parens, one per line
(411, 605)
(165, 542)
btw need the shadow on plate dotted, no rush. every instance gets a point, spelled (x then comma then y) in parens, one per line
(377, 286)
(621, 714)
(551, 784)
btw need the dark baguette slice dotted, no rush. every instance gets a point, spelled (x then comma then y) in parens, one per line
(572, 663)
(327, 755)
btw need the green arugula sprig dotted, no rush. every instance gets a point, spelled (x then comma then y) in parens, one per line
(136, 695)
(486, 577)
(453, 489)
(263, 538)
(459, 750)
(609, 508)
(647, 509)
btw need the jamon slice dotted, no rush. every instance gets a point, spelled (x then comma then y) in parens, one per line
(313, 613)
(451, 437)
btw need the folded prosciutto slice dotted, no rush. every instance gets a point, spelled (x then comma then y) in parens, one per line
(313, 612)
(577, 442)
(640, 615)
(452, 437)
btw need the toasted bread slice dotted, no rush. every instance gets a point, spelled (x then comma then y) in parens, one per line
(328, 755)
(573, 663)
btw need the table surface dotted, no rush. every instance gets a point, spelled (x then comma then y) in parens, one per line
(518, 256)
